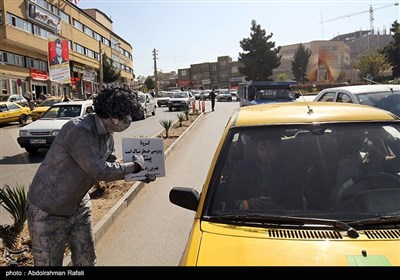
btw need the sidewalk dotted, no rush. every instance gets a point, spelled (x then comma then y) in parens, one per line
(101, 227)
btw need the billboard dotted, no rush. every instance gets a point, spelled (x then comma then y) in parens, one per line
(58, 59)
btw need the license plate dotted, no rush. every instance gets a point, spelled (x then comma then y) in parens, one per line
(37, 141)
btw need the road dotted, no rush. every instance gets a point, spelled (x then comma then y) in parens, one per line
(152, 231)
(18, 168)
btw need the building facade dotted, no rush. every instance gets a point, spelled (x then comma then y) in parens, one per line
(25, 29)
(330, 61)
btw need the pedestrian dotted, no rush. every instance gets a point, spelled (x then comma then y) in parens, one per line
(212, 98)
(59, 207)
(66, 98)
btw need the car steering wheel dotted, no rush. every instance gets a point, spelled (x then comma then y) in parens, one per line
(339, 191)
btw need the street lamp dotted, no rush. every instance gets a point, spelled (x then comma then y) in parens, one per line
(101, 63)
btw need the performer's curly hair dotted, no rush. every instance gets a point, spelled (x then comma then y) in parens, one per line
(116, 102)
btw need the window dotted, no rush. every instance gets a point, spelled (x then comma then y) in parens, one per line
(78, 25)
(19, 23)
(4, 86)
(344, 98)
(14, 89)
(36, 64)
(13, 59)
(88, 31)
(65, 17)
(327, 97)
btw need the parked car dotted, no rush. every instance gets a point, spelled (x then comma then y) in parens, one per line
(41, 133)
(234, 94)
(196, 93)
(19, 99)
(224, 95)
(181, 100)
(148, 104)
(330, 197)
(386, 97)
(205, 94)
(13, 112)
(163, 99)
(42, 107)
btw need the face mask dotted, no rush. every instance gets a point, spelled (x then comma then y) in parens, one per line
(120, 125)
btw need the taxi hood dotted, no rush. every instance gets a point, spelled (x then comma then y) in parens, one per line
(229, 245)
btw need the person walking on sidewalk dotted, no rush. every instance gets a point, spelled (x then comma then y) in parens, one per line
(212, 98)
(59, 207)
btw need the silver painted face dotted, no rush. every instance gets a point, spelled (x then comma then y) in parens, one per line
(121, 124)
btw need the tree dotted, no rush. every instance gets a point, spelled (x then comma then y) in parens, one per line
(373, 64)
(300, 62)
(110, 73)
(149, 82)
(282, 77)
(392, 50)
(260, 56)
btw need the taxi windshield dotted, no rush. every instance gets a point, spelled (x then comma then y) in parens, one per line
(347, 171)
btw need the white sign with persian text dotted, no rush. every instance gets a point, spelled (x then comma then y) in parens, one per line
(152, 150)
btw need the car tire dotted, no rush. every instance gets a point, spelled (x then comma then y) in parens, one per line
(23, 119)
(32, 151)
(170, 109)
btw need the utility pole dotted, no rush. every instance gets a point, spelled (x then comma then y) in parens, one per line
(155, 71)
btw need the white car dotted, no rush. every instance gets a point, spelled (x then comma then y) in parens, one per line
(181, 100)
(383, 96)
(148, 103)
(41, 133)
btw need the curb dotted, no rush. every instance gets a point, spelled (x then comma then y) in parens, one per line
(101, 227)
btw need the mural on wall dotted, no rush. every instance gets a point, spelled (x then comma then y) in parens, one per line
(320, 68)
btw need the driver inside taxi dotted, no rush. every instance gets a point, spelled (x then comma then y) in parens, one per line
(263, 182)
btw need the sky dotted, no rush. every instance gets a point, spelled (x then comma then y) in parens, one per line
(192, 32)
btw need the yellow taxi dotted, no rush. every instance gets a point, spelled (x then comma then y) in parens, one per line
(43, 106)
(299, 184)
(13, 112)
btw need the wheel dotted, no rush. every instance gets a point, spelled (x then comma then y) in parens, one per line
(32, 150)
(23, 119)
(170, 109)
(372, 181)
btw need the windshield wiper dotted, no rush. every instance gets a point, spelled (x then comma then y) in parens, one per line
(377, 221)
(351, 232)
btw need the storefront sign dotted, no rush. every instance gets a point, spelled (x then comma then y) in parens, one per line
(39, 75)
(236, 79)
(206, 82)
(43, 17)
(183, 83)
(88, 75)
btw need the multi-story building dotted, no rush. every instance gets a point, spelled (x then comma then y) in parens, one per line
(330, 61)
(27, 25)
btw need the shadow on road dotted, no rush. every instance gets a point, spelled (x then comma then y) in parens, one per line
(24, 158)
